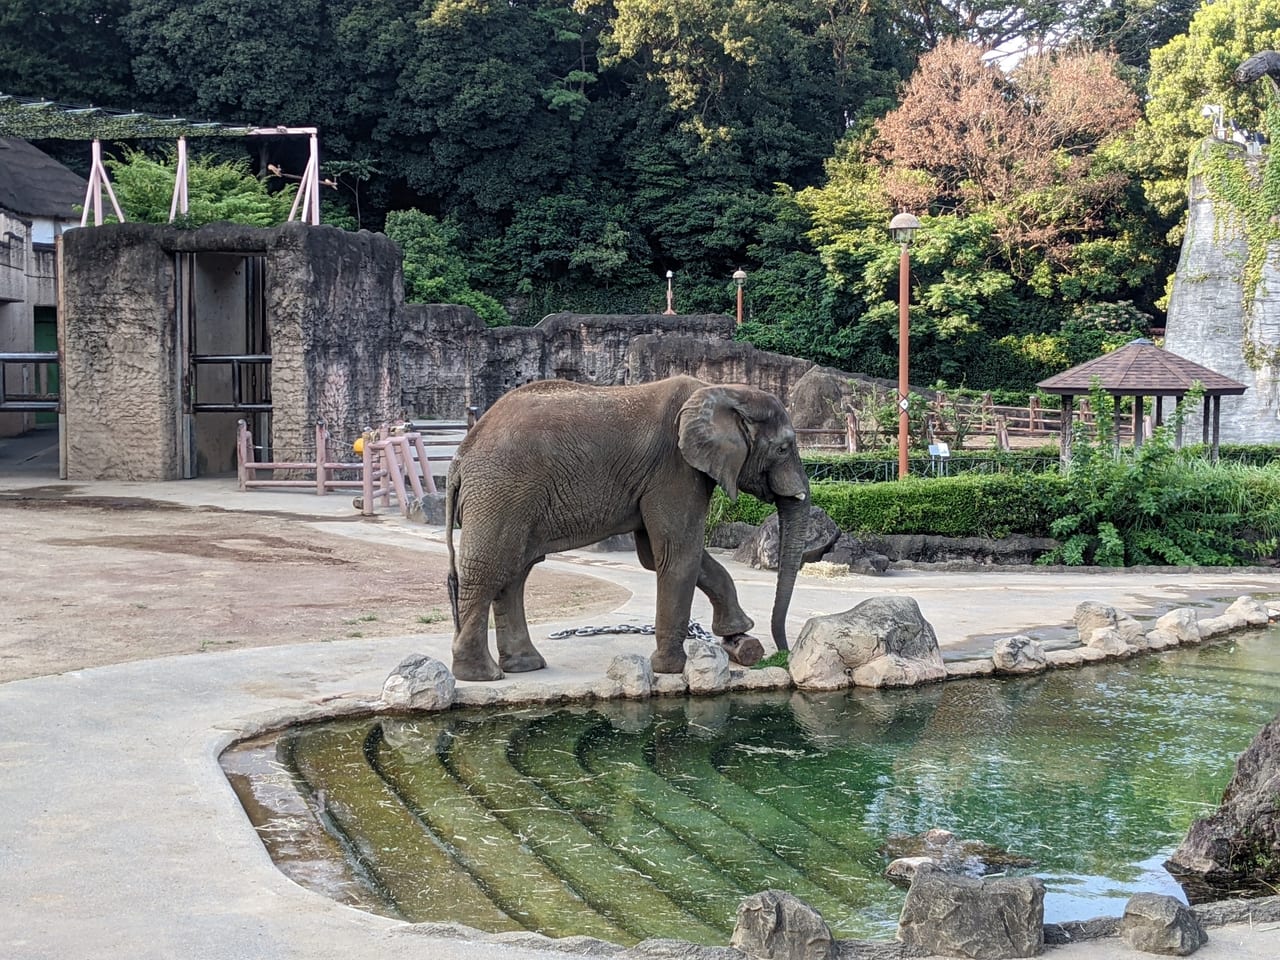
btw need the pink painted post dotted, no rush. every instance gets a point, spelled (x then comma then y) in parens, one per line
(404, 451)
(244, 453)
(366, 502)
(395, 472)
(313, 185)
(322, 454)
(179, 203)
(425, 464)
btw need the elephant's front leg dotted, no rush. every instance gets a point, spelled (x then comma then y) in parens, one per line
(516, 652)
(727, 616)
(677, 562)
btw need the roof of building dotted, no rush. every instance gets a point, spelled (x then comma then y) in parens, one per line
(34, 184)
(1142, 369)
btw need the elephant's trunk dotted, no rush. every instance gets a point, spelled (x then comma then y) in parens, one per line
(793, 531)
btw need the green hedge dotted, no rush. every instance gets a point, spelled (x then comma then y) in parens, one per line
(969, 505)
(878, 466)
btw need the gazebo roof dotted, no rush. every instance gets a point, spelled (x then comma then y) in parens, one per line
(1141, 369)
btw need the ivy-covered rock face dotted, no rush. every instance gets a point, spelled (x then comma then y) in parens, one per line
(1224, 305)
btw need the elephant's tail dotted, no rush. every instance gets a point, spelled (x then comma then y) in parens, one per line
(451, 509)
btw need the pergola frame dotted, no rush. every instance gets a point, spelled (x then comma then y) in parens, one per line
(46, 120)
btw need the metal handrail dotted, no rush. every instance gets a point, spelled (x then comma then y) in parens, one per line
(28, 402)
(235, 360)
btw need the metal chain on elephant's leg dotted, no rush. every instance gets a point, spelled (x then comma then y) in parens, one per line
(696, 631)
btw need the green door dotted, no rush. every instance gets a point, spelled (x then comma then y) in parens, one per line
(46, 339)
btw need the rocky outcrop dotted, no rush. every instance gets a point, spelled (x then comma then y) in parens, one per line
(985, 919)
(883, 641)
(1154, 923)
(1239, 844)
(1112, 632)
(1209, 322)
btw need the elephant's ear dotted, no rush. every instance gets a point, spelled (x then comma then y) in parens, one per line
(713, 436)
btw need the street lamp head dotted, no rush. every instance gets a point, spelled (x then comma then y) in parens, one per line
(904, 227)
(740, 276)
(670, 274)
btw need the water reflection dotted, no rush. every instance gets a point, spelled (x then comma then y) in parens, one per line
(629, 820)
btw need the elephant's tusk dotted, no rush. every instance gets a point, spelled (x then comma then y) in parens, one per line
(800, 496)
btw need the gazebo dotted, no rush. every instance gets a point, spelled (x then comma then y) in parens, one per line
(1140, 369)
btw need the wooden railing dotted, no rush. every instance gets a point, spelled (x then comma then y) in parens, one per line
(399, 462)
(957, 421)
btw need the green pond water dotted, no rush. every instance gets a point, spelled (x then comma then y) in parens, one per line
(631, 820)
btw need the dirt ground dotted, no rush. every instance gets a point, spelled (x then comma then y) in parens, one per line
(90, 582)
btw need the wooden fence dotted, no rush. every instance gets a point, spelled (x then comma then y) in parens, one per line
(957, 422)
(399, 461)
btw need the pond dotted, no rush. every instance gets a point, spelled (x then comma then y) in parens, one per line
(626, 820)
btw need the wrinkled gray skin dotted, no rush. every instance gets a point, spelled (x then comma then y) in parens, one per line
(555, 465)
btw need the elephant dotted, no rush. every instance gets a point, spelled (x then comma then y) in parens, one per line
(555, 465)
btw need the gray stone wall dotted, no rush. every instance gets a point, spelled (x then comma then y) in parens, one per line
(119, 366)
(450, 360)
(334, 312)
(1207, 321)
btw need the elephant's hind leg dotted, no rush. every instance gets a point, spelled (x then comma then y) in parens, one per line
(471, 657)
(516, 652)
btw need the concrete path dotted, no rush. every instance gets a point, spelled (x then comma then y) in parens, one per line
(122, 839)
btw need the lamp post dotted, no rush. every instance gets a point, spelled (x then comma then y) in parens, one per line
(903, 228)
(739, 277)
(671, 298)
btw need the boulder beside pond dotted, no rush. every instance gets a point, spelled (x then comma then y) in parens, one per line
(985, 919)
(883, 641)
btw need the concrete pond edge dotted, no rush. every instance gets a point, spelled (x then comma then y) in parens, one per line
(739, 680)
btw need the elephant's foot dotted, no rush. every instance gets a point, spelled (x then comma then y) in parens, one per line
(523, 662)
(476, 669)
(668, 661)
(743, 649)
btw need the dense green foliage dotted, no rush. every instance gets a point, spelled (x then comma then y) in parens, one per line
(1161, 506)
(1158, 505)
(543, 155)
(216, 191)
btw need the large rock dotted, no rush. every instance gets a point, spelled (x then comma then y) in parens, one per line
(883, 641)
(762, 549)
(774, 925)
(1092, 616)
(1253, 613)
(987, 919)
(1238, 845)
(1018, 654)
(853, 553)
(706, 667)
(420, 683)
(634, 674)
(1154, 923)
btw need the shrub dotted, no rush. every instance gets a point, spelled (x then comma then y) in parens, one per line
(1161, 505)
(970, 505)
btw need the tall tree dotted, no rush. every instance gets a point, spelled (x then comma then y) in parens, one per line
(1193, 71)
(64, 50)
